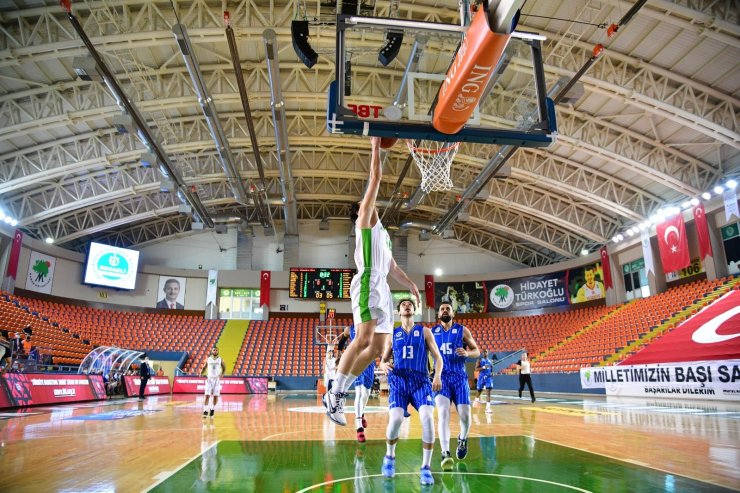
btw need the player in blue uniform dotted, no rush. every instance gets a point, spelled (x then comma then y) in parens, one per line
(408, 383)
(456, 344)
(485, 378)
(363, 385)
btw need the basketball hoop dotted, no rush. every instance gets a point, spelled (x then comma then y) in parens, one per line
(434, 159)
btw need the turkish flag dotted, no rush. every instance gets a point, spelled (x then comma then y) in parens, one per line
(702, 231)
(429, 290)
(672, 243)
(710, 335)
(606, 268)
(265, 288)
(15, 254)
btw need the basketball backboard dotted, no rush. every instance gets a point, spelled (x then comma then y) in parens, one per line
(377, 94)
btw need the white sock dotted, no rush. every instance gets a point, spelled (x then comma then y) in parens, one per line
(213, 405)
(348, 382)
(426, 457)
(339, 380)
(463, 410)
(390, 449)
(205, 407)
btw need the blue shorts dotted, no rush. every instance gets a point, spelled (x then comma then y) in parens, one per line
(485, 381)
(409, 387)
(455, 387)
(367, 377)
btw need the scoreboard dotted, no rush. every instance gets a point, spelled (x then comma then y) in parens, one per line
(320, 284)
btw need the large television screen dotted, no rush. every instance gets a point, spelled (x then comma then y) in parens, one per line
(320, 284)
(111, 266)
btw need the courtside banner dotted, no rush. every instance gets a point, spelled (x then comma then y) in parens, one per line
(229, 385)
(708, 380)
(31, 389)
(155, 385)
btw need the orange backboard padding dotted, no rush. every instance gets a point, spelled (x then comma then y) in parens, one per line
(468, 75)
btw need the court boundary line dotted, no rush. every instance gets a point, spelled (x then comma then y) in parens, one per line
(635, 463)
(508, 476)
(185, 464)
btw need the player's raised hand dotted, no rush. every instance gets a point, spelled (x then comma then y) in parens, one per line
(415, 291)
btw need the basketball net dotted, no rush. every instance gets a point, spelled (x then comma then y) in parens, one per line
(434, 160)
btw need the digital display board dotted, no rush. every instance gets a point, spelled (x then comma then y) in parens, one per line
(320, 284)
(111, 266)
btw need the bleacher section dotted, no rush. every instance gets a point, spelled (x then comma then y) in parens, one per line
(535, 333)
(145, 331)
(65, 349)
(283, 346)
(622, 326)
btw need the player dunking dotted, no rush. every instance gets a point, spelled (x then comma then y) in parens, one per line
(452, 340)
(408, 383)
(215, 369)
(372, 305)
(363, 385)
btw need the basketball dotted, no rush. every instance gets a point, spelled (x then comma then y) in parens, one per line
(388, 142)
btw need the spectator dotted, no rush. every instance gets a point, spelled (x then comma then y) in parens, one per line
(160, 372)
(5, 352)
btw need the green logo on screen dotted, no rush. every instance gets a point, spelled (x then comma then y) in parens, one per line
(112, 266)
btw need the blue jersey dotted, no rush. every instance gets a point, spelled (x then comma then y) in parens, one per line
(367, 377)
(485, 367)
(448, 341)
(410, 350)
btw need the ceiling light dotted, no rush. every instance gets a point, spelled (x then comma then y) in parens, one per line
(642, 226)
(584, 252)
(615, 239)
(731, 184)
(694, 201)
(685, 204)
(718, 190)
(14, 222)
(630, 232)
(8, 219)
(706, 196)
(49, 240)
(620, 237)
(2, 215)
(437, 272)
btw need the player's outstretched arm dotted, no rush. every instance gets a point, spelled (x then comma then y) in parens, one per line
(473, 349)
(367, 206)
(399, 275)
(438, 363)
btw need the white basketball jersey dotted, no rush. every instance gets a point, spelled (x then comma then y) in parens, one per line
(373, 250)
(214, 367)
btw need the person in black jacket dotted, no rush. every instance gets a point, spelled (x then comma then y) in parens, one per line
(145, 372)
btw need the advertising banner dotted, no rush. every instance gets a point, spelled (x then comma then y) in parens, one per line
(465, 297)
(155, 385)
(710, 380)
(585, 283)
(528, 293)
(30, 389)
(229, 385)
(40, 272)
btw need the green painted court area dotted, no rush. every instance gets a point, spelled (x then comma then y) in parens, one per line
(494, 464)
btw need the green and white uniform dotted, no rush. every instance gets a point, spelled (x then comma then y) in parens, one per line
(370, 293)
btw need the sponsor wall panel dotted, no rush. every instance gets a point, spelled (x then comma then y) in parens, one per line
(229, 385)
(528, 293)
(31, 389)
(709, 380)
(155, 385)
(40, 272)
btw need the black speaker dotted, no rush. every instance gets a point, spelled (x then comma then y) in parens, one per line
(299, 34)
(349, 7)
(392, 46)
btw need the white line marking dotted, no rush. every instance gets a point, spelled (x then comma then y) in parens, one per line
(164, 475)
(352, 478)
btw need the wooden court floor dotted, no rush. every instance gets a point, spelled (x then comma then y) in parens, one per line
(285, 443)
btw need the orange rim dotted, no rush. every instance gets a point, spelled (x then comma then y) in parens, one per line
(424, 150)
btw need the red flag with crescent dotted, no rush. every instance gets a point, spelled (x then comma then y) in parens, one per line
(265, 288)
(15, 254)
(702, 231)
(429, 290)
(606, 268)
(672, 243)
